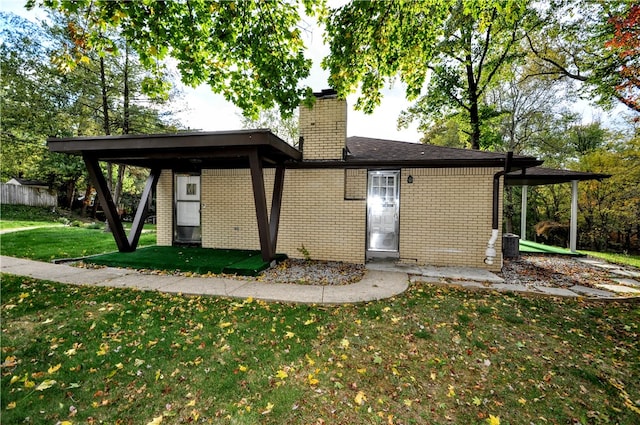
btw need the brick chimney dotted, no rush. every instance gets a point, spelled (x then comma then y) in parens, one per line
(323, 127)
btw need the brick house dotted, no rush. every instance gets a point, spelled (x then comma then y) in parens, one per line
(349, 199)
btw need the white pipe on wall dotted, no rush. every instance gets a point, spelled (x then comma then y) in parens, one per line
(490, 252)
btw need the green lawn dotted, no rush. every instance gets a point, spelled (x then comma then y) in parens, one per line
(50, 243)
(187, 259)
(433, 355)
(14, 216)
(624, 259)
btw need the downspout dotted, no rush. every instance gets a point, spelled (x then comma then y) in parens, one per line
(490, 253)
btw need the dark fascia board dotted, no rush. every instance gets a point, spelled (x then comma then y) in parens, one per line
(543, 176)
(127, 146)
(516, 164)
(529, 180)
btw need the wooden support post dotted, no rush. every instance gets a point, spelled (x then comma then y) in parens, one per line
(260, 200)
(106, 200)
(573, 227)
(143, 207)
(276, 203)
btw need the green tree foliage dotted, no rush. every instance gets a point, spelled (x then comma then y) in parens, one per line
(457, 47)
(524, 107)
(610, 209)
(284, 127)
(594, 43)
(34, 102)
(626, 45)
(249, 51)
(43, 98)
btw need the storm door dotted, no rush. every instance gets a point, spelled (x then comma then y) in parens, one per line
(383, 212)
(187, 222)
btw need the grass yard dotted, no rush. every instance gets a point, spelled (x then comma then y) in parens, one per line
(433, 355)
(15, 216)
(624, 259)
(45, 244)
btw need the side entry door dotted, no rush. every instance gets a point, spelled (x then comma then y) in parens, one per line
(187, 208)
(383, 213)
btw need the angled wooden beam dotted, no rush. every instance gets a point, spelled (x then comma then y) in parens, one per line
(143, 208)
(260, 200)
(106, 200)
(276, 203)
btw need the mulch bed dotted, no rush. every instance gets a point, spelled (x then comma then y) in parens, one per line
(312, 272)
(530, 270)
(553, 270)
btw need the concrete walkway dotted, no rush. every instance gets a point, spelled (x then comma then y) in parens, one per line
(375, 285)
(382, 280)
(627, 280)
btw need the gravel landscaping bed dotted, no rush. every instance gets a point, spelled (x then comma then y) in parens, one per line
(303, 272)
(553, 271)
(529, 270)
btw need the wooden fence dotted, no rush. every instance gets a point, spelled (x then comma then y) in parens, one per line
(24, 195)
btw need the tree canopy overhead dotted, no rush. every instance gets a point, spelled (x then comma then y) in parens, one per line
(251, 52)
(456, 48)
(596, 43)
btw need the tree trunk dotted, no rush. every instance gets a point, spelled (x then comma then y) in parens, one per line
(125, 120)
(508, 209)
(71, 187)
(86, 200)
(474, 114)
(106, 128)
(117, 194)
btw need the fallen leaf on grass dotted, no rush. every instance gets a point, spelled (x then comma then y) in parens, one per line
(156, 421)
(360, 398)
(46, 384)
(312, 381)
(54, 369)
(452, 391)
(493, 420)
(10, 361)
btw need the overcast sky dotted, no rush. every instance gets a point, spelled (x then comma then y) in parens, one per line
(204, 110)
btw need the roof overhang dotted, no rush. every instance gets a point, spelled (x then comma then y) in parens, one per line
(537, 176)
(220, 149)
(251, 149)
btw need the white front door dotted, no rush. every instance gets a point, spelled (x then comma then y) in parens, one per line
(187, 192)
(383, 208)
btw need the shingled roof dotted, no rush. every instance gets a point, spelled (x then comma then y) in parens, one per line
(370, 151)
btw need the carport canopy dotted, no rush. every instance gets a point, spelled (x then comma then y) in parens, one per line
(188, 151)
(537, 176)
